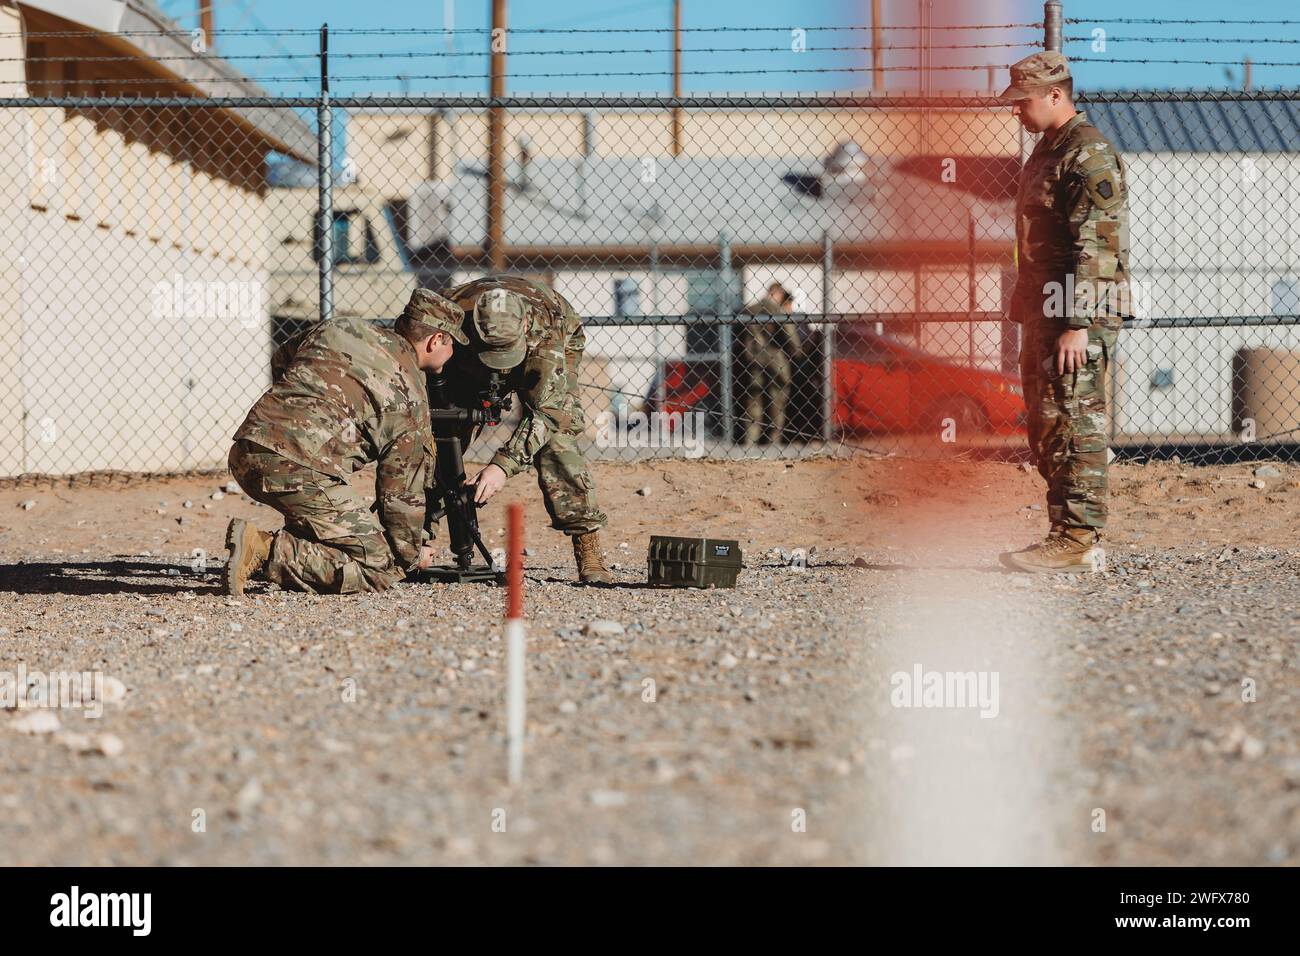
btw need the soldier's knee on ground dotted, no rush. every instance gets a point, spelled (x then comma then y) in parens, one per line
(343, 565)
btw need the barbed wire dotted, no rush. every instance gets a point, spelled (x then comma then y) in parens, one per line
(368, 78)
(1122, 39)
(485, 31)
(485, 53)
(1163, 21)
(1237, 62)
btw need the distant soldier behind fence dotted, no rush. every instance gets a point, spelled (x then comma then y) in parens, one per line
(1070, 299)
(532, 336)
(767, 352)
(351, 394)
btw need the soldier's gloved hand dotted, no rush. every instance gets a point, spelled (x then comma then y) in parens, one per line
(1071, 351)
(487, 483)
(427, 554)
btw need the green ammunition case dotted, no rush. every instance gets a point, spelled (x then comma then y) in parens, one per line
(693, 562)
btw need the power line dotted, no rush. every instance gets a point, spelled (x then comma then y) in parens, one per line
(250, 14)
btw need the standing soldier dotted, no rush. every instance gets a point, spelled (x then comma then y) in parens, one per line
(353, 393)
(1070, 299)
(531, 336)
(767, 350)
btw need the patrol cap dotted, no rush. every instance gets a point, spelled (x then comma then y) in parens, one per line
(1034, 74)
(500, 323)
(429, 308)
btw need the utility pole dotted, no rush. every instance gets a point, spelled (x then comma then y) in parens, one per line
(923, 13)
(925, 76)
(677, 75)
(877, 49)
(496, 250)
(1245, 85)
(207, 22)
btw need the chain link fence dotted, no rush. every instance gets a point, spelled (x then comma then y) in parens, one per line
(759, 276)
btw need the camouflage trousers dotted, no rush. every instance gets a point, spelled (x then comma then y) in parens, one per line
(1068, 423)
(766, 382)
(331, 543)
(567, 488)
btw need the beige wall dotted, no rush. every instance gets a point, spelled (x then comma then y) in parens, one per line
(113, 375)
(13, 204)
(104, 215)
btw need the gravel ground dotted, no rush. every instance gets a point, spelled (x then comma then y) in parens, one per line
(287, 728)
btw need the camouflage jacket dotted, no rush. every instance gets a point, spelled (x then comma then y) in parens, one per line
(353, 394)
(546, 381)
(764, 335)
(1072, 230)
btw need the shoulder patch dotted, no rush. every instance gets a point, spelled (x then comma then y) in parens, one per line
(1103, 188)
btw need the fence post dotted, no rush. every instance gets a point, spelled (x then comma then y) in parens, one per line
(828, 336)
(972, 298)
(325, 183)
(658, 333)
(726, 308)
(1052, 25)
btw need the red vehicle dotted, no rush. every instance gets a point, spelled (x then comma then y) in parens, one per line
(884, 385)
(881, 385)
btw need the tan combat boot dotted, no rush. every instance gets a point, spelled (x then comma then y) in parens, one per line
(591, 563)
(249, 548)
(1066, 551)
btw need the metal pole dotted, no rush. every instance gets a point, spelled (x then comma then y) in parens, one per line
(677, 75)
(726, 307)
(658, 331)
(972, 292)
(325, 182)
(877, 51)
(828, 336)
(496, 250)
(1052, 25)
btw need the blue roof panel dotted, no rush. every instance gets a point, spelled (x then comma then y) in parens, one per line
(1199, 126)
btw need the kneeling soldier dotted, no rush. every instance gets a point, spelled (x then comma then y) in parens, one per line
(354, 393)
(532, 336)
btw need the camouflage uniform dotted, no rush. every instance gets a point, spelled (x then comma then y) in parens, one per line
(1072, 237)
(765, 353)
(546, 382)
(352, 394)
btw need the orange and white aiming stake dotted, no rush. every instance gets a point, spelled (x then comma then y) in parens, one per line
(515, 634)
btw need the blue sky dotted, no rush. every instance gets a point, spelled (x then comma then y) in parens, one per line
(435, 55)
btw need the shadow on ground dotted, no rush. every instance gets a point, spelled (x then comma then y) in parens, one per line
(106, 577)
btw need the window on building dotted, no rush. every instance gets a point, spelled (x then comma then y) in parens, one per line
(627, 297)
(353, 237)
